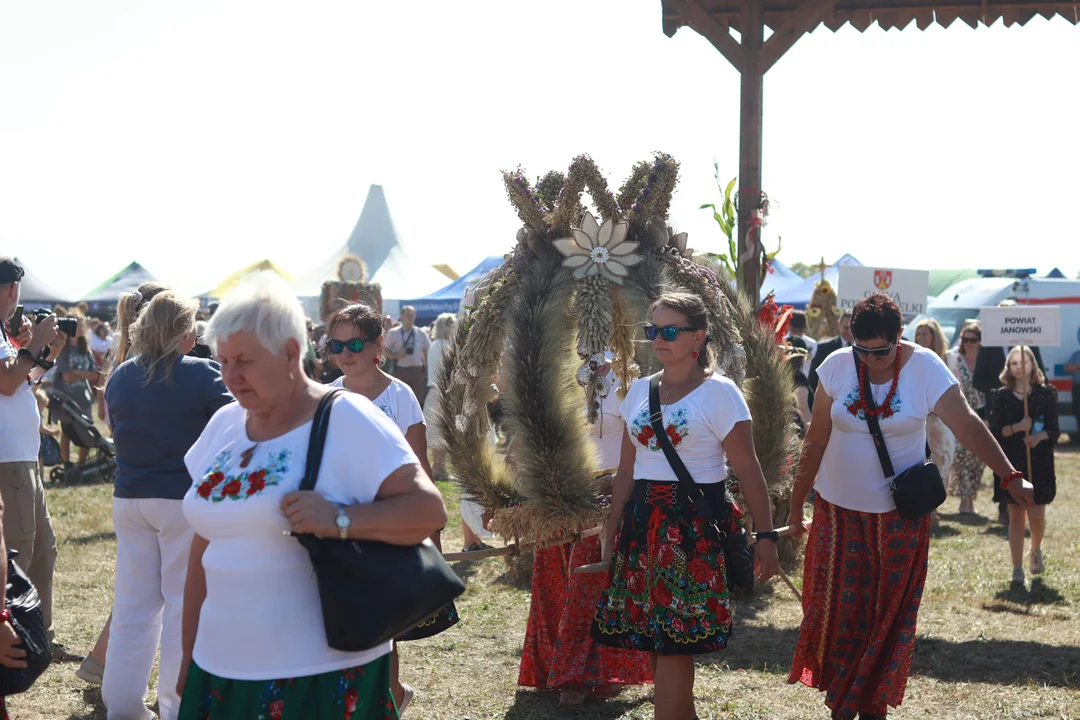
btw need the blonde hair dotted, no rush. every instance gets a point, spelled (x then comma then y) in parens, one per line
(445, 326)
(159, 331)
(697, 317)
(941, 343)
(127, 312)
(1037, 378)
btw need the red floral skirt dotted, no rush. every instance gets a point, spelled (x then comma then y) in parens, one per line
(862, 584)
(667, 591)
(559, 651)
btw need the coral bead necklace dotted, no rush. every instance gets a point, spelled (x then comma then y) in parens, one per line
(883, 410)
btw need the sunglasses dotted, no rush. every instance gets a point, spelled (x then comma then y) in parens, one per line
(354, 345)
(668, 333)
(874, 352)
(969, 340)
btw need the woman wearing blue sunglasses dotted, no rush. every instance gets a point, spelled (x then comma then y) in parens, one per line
(668, 591)
(858, 631)
(356, 344)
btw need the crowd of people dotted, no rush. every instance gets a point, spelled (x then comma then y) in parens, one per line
(211, 414)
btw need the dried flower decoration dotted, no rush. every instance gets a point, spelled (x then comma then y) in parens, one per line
(599, 249)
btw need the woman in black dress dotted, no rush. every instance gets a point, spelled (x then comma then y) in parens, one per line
(1016, 432)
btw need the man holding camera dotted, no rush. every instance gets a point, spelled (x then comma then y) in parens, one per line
(408, 347)
(25, 349)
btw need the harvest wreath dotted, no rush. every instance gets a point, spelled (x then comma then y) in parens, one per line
(574, 287)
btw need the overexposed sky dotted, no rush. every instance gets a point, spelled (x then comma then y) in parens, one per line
(201, 136)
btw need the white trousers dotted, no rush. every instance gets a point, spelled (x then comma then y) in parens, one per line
(153, 541)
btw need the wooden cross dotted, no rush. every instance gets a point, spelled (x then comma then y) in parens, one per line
(822, 267)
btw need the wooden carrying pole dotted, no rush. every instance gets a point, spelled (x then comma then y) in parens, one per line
(518, 549)
(784, 531)
(1027, 374)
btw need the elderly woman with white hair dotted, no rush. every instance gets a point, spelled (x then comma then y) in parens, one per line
(254, 639)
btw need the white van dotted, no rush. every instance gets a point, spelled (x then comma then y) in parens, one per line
(962, 301)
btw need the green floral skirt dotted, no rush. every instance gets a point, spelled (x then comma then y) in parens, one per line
(361, 693)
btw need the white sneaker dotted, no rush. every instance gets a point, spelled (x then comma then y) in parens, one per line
(1037, 566)
(1018, 576)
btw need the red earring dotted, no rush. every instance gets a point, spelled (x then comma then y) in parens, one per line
(695, 356)
(378, 360)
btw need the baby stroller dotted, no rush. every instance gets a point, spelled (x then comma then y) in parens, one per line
(100, 463)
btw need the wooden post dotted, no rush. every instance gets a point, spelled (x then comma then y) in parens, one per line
(753, 32)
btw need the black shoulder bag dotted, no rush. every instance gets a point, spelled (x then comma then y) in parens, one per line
(916, 491)
(25, 608)
(737, 557)
(371, 591)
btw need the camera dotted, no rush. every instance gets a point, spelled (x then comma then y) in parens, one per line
(409, 349)
(68, 326)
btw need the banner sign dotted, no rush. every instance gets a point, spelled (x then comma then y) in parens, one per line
(1021, 325)
(909, 288)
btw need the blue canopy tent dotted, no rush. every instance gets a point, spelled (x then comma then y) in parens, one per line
(448, 299)
(780, 279)
(798, 294)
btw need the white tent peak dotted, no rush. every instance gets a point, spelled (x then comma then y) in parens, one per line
(389, 263)
(374, 235)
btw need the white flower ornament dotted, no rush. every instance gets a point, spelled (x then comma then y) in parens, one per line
(599, 249)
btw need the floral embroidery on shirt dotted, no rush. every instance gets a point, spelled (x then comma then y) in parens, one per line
(386, 409)
(850, 404)
(677, 429)
(217, 486)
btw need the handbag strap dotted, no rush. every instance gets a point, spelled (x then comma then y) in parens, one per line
(686, 481)
(319, 425)
(872, 420)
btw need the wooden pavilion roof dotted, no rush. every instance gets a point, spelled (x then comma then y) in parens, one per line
(706, 15)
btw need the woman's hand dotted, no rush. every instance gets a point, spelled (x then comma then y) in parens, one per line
(182, 680)
(1022, 426)
(766, 561)
(309, 512)
(1022, 492)
(796, 520)
(1033, 440)
(11, 655)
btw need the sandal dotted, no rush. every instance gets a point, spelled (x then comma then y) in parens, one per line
(407, 696)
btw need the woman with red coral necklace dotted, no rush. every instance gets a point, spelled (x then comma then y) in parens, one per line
(668, 590)
(858, 630)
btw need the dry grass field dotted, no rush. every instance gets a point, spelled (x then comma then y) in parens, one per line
(985, 651)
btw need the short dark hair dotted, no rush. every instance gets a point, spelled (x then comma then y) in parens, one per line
(876, 316)
(798, 320)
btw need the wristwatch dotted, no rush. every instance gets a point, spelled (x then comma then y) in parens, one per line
(344, 522)
(767, 535)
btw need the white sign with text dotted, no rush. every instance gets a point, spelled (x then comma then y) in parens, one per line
(909, 288)
(1039, 326)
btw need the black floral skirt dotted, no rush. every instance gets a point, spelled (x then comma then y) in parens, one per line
(668, 590)
(437, 623)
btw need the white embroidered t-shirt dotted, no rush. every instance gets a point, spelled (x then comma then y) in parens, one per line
(261, 618)
(696, 425)
(399, 403)
(850, 475)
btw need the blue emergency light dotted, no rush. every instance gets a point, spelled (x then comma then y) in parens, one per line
(1011, 273)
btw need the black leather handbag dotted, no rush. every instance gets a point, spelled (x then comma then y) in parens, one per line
(737, 556)
(917, 491)
(25, 608)
(371, 591)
